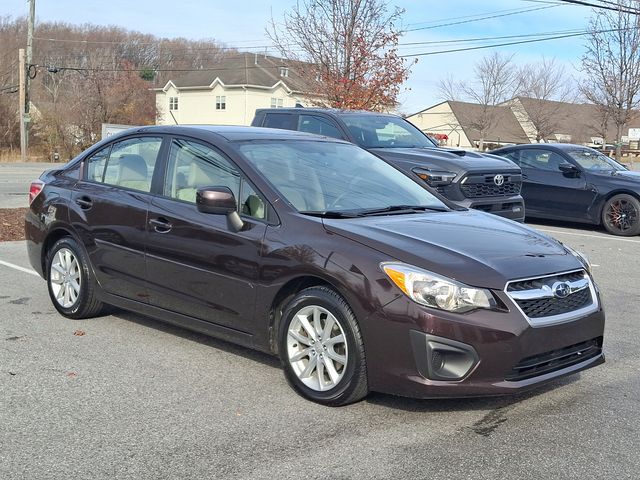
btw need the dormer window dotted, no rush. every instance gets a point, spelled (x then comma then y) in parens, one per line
(284, 72)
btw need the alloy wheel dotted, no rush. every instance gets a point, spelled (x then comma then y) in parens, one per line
(317, 348)
(622, 215)
(64, 277)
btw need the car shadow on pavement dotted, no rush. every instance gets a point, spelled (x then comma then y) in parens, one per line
(384, 400)
(150, 322)
(466, 404)
(585, 227)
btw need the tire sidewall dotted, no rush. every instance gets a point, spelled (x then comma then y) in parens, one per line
(630, 198)
(70, 244)
(321, 298)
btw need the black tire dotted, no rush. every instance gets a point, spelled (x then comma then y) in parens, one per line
(353, 385)
(621, 215)
(86, 304)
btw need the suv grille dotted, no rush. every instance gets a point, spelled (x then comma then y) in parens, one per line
(475, 186)
(548, 299)
(555, 360)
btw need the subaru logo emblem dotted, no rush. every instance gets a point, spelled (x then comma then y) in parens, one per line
(498, 180)
(561, 289)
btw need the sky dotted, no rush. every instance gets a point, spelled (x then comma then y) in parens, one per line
(241, 24)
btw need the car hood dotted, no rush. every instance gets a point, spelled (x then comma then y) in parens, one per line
(621, 175)
(448, 158)
(475, 248)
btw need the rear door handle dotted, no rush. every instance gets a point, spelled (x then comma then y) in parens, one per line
(160, 225)
(84, 202)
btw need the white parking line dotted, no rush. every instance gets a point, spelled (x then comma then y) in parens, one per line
(19, 268)
(603, 237)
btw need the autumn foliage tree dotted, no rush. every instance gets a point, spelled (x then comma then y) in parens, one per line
(346, 51)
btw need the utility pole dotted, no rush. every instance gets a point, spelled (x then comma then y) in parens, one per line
(22, 71)
(27, 66)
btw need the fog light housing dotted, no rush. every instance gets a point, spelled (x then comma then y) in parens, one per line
(439, 358)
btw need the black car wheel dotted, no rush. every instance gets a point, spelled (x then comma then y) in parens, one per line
(621, 215)
(70, 281)
(321, 348)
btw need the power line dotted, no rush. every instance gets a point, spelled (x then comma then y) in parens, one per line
(557, 37)
(618, 8)
(483, 18)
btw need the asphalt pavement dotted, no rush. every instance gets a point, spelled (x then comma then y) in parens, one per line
(124, 396)
(15, 179)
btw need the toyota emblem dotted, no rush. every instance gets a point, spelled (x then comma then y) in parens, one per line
(498, 180)
(561, 289)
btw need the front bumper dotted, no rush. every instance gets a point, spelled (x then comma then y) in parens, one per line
(508, 207)
(501, 342)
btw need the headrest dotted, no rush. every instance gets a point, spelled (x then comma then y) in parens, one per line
(132, 167)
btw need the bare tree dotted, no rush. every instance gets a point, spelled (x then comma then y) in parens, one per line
(543, 85)
(494, 82)
(612, 64)
(347, 51)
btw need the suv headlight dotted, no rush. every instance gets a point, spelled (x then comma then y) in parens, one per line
(435, 179)
(432, 290)
(580, 256)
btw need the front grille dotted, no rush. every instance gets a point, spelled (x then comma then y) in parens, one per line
(555, 360)
(540, 282)
(545, 300)
(476, 186)
(547, 307)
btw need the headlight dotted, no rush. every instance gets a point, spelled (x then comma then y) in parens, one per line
(435, 291)
(580, 256)
(434, 179)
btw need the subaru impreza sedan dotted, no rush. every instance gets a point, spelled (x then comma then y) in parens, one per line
(319, 252)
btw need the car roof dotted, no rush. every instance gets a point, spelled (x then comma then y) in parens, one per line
(546, 146)
(330, 111)
(232, 133)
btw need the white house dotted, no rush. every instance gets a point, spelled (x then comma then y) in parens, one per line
(230, 92)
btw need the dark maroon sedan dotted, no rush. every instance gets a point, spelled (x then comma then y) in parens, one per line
(317, 251)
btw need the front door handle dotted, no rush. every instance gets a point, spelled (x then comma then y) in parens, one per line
(84, 202)
(160, 225)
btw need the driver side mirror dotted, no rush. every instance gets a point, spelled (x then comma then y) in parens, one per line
(219, 201)
(569, 169)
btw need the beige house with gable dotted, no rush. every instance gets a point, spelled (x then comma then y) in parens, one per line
(230, 93)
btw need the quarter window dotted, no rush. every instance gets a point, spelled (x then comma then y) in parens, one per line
(128, 163)
(173, 103)
(193, 165)
(221, 102)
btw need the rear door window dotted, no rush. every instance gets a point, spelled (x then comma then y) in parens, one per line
(538, 159)
(284, 121)
(127, 164)
(319, 126)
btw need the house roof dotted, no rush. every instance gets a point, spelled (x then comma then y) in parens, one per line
(245, 69)
(505, 127)
(580, 121)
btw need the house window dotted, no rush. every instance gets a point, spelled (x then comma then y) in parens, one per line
(276, 102)
(221, 102)
(284, 72)
(173, 103)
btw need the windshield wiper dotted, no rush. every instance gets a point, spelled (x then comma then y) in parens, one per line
(401, 209)
(331, 214)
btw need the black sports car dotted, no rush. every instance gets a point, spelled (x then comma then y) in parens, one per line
(571, 182)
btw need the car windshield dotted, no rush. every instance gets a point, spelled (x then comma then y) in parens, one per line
(382, 131)
(594, 161)
(324, 177)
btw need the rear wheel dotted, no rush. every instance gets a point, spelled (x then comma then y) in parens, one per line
(322, 349)
(70, 281)
(621, 215)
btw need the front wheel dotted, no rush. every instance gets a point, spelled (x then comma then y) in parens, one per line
(621, 215)
(321, 348)
(70, 281)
